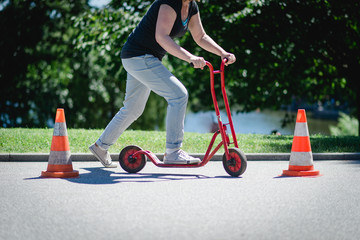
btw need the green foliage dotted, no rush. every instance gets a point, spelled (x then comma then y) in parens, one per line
(36, 59)
(287, 52)
(64, 54)
(347, 126)
(307, 49)
(101, 35)
(67, 54)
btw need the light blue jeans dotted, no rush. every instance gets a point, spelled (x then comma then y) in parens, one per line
(144, 74)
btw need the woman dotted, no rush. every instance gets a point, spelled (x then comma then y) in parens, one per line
(141, 57)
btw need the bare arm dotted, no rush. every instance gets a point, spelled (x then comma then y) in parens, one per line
(165, 22)
(204, 41)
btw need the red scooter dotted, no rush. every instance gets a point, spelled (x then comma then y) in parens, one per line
(132, 158)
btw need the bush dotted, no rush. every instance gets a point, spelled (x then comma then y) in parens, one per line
(347, 126)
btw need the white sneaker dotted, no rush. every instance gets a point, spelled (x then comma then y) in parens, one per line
(102, 155)
(180, 157)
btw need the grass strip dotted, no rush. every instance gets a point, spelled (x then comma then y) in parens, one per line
(30, 140)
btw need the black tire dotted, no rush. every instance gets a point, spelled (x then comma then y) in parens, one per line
(129, 164)
(237, 164)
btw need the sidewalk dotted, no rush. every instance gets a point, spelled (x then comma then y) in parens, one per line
(43, 157)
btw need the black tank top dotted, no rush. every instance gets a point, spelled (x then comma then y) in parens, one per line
(142, 39)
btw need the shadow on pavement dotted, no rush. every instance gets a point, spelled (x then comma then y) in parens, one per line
(99, 176)
(102, 176)
(228, 177)
(294, 177)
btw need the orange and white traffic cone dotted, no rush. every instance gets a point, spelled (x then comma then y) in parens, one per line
(59, 163)
(301, 158)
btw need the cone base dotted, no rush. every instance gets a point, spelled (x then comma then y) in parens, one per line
(72, 174)
(291, 173)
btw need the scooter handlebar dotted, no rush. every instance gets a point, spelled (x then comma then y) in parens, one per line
(225, 60)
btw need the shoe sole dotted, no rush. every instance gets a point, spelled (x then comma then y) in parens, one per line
(183, 162)
(99, 158)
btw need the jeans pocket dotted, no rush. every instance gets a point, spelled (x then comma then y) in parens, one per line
(152, 61)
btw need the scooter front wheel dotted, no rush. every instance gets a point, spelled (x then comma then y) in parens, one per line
(237, 164)
(128, 162)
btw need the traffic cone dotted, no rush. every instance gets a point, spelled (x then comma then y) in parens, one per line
(301, 158)
(59, 163)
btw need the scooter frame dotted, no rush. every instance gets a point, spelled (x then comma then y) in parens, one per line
(233, 161)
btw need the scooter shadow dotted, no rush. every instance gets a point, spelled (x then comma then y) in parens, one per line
(100, 176)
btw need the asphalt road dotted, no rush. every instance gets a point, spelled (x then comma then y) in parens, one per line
(202, 203)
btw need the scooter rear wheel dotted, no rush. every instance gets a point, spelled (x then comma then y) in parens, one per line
(130, 164)
(237, 164)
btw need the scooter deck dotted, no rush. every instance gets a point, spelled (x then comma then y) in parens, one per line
(156, 161)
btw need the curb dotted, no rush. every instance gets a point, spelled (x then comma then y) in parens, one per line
(86, 157)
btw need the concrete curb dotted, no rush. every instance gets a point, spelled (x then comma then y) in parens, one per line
(85, 157)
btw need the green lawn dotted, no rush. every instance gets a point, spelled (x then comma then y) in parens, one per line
(24, 140)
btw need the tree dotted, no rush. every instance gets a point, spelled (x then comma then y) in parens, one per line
(285, 50)
(308, 49)
(102, 33)
(66, 53)
(47, 62)
(35, 62)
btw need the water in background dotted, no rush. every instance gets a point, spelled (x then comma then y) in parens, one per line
(257, 122)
